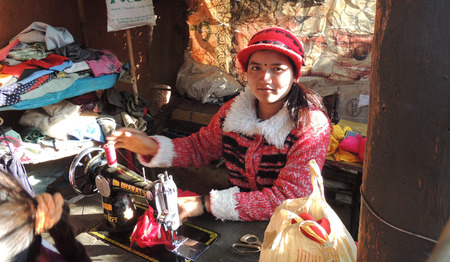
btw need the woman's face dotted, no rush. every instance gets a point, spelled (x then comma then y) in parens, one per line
(270, 76)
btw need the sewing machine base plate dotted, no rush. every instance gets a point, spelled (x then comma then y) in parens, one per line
(189, 248)
(196, 241)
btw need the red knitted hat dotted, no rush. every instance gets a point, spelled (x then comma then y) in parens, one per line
(276, 39)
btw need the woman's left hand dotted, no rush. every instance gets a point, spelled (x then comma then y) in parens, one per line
(190, 207)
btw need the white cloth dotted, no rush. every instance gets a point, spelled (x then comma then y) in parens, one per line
(53, 37)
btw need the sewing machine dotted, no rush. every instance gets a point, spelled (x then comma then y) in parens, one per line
(95, 170)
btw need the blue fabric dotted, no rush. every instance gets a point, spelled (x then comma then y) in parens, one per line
(42, 72)
(11, 94)
(91, 131)
(81, 86)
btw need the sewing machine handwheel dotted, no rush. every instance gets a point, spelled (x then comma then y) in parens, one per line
(82, 171)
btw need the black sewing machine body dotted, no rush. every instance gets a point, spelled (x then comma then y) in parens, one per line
(117, 185)
(91, 172)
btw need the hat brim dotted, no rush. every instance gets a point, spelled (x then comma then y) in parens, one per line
(244, 55)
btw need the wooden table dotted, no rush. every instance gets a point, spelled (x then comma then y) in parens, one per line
(353, 172)
(229, 233)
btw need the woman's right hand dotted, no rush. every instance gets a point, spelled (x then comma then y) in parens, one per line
(48, 213)
(134, 140)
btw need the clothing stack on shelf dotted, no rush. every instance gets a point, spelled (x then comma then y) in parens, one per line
(46, 73)
(43, 65)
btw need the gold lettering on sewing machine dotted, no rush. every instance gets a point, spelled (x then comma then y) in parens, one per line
(115, 182)
(107, 206)
(131, 188)
(110, 218)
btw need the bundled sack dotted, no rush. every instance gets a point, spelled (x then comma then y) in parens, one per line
(292, 236)
(54, 120)
(205, 83)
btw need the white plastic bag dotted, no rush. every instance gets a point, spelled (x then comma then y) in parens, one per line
(54, 120)
(284, 241)
(205, 83)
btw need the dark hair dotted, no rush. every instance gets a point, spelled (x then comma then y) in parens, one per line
(17, 216)
(297, 103)
(17, 222)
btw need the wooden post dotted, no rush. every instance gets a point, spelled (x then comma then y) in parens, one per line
(132, 68)
(406, 178)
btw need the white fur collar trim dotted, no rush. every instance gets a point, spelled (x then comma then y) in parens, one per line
(242, 119)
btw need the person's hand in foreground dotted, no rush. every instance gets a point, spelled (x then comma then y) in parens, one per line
(48, 212)
(192, 207)
(134, 140)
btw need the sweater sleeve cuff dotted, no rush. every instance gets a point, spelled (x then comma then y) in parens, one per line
(224, 203)
(164, 156)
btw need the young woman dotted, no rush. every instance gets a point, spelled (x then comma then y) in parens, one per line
(267, 135)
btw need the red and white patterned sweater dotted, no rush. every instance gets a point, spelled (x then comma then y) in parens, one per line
(267, 161)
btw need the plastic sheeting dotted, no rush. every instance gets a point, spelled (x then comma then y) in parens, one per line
(337, 37)
(337, 34)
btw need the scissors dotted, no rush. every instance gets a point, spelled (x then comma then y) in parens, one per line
(249, 244)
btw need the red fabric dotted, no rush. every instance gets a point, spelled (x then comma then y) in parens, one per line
(290, 46)
(186, 193)
(322, 222)
(148, 232)
(50, 61)
(129, 157)
(4, 51)
(351, 144)
(85, 99)
(362, 149)
(145, 233)
(39, 82)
